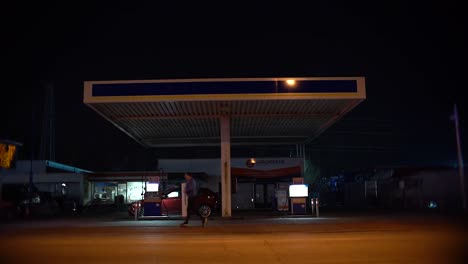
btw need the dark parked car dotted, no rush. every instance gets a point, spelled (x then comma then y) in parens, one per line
(206, 202)
(35, 204)
(7, 210)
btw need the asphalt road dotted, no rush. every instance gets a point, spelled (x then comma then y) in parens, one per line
(276, 240)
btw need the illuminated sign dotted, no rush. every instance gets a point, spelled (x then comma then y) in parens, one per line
(298, 190)
(250, 162)
(267, 162)
(152, 187)
(7, 155)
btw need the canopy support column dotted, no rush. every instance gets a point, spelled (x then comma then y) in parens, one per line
(225, 124)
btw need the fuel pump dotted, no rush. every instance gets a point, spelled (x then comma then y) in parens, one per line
(298, 194)
(152, 201)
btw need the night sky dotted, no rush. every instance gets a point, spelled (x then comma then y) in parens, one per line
(413, 57)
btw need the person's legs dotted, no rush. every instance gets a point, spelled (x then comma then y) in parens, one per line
(204, 220)
(189, 210)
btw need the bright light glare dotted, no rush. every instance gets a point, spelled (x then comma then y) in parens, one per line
(290, 82)
(134, 190)
(152, 187)
(298, 190)
(173, 195)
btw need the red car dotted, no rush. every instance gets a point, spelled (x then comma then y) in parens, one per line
(206, 202)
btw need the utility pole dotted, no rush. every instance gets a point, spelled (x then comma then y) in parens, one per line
(32, 152)
(47, 143)
(31, 172)
(460, 157)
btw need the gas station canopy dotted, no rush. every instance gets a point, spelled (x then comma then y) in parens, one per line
(187, 112)
(224, 112)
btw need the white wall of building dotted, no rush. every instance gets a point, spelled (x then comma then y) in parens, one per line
(24, 166)
(209, 166)
(213, 166)
(43, 177)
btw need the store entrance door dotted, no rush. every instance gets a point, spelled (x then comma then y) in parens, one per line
(264, 195)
